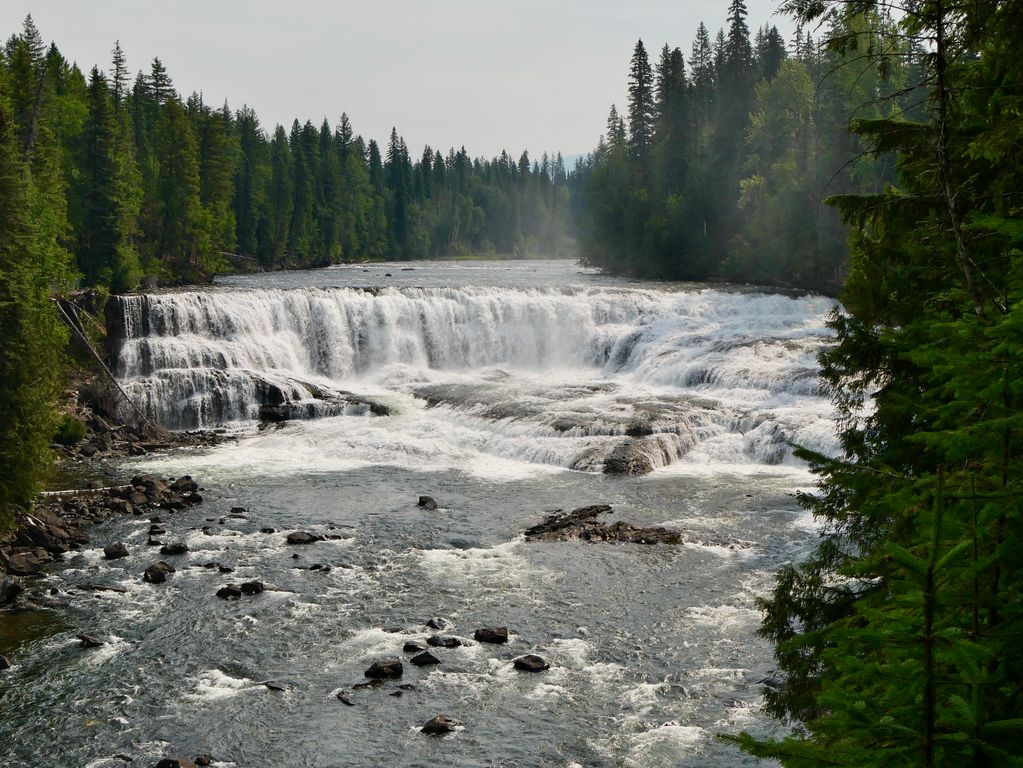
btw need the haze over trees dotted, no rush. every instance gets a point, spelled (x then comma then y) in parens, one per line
(719, 166)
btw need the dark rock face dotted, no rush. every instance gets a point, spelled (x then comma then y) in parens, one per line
(581, 524)
(177, 548)
(437, 623)
(230, 592)
(427, 503)
(27, 562)
(496, 635)
(440, 725)
(345, 699)
(386, 668)
(425, 659)
(115, 551)
(204, 760)
(444, 641)
(414, 646)
(280, 686)
(157, 573)
(90, 641)
(252, 587)
(4, 663)
(531, 663)
(157, 530)
(10, 588)
(302, 537)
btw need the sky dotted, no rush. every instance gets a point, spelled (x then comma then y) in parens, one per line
(486, 74)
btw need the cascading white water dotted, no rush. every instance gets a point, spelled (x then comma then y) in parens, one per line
(661, 371)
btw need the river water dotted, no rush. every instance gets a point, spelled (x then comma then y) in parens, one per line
(504, 390)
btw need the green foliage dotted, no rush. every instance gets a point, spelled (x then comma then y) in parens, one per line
(31, 338)
(70, 431)
(899, 635)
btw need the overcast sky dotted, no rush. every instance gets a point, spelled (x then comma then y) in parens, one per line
(489, 74)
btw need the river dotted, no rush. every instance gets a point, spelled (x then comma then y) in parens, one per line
(504, 390)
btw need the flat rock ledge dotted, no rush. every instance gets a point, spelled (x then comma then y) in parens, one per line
(582, 525)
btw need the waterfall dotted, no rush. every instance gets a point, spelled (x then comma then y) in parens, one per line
(194, 359)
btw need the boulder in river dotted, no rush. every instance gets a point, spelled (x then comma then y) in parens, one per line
(175, 762)
(440, 725)
(184, 484)
(444, 641)
(177, 548)
(428, 503)
(90, 641)
(495, 635)
(424, 659)
(4, 663)
(437, 623)
(230, 592)
(582, 524)
(280, 686)
(204, 760)
(386, 668)
(115, 551)
(10, 588)
(157, 573)
(302, 537)
(414, 646)
(531, 663)
(252, 587)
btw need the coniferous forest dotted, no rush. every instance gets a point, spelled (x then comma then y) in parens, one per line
(876, 156)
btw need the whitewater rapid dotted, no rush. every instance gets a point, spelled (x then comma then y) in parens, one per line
(606, 379)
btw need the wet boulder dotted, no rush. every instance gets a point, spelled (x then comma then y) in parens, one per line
(280, 686)
(302, 537)
(204, 760)
(230, 592)
(157, 573)
(252, 587)
(153, 542)
(440, 725)
(496, 635)
(157, 530)
(414, 646)
(428, 503)
(184, 484)
(385, 668)
(424, 659)
(27, 561)
(90, 641)
(4, 663)
(438, 623)
(531, 663)
(444, 641)
(10, 588)
(137, 499)
(177, 548)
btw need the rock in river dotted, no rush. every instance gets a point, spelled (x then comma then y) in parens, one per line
(4, 663)
(531, 663)
(428, 503)
(175, 762)
(441, 725)
(385, 668)
(414, 646)
(115, 551)
(177, 548)
(89, 641)
(582, 524)
(230, 592)
(444, 641)
(302, 537)
(496, 635)
(425, 659)
(157, 572)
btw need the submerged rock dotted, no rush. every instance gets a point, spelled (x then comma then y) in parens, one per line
(115, 551)
(90, 641)
(495, 635)
(531, 663)
(437, 623)
(386, 668)
(428, 503)
(344, 699)
(302, 537)
(280, 686)
(252, 587)
(413, 646)
(177, 548)
(440, 725)
(582, 524)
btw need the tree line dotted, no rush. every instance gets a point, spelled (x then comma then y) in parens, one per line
(719, 165)
(899, 637)
(156, 184)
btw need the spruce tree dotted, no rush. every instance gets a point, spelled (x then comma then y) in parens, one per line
(641, 105)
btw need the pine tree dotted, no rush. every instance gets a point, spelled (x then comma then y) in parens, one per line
(641, 105)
